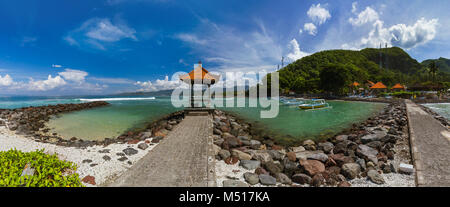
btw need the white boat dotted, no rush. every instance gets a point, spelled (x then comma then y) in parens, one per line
(315, 104)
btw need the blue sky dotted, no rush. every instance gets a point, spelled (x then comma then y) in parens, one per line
(109, 46)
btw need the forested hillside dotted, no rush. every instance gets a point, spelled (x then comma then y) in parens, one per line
(397, 66)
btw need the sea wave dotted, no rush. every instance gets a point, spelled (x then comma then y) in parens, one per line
(116, 99)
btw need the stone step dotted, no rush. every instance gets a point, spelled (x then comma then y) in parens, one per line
(197, 113)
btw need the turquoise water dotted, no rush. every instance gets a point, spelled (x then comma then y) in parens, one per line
(123, 114)
(442, 109)
(293, 123)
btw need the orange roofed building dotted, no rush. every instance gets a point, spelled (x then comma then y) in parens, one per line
(378, 87)
(199, 76)
(398, 86)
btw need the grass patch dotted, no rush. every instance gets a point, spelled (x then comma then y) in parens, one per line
(48, 170)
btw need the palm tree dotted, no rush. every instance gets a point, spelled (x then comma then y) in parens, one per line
(433, 69)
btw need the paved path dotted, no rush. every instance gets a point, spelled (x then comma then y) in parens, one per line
(182, 158)
(430, 143)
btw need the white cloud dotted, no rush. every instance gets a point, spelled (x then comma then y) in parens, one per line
(165, 84)
(354, 4)
(367, 16)
(295, 52)
(28, 41)
(99, 32)
(6, 80)
(411, 36)
(310, 28)
(74, 75)
(318, 14)
(405, 36)
(191, 38)
(71, 41)
(228, 48)
(48, 84)
(113, 80)
(104, 30)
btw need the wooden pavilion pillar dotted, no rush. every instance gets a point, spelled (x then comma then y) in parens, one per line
(192, 94)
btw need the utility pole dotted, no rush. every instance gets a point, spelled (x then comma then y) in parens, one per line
(282, 62)
(386, 57)
(380, 56)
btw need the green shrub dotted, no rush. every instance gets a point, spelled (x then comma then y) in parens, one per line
(48, 170)
(400, 94)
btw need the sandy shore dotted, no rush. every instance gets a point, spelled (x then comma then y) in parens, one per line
(93, 161)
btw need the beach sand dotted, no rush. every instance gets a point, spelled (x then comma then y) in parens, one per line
(104, 171)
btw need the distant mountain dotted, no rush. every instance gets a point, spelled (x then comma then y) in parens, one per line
(153, 93)
(163, 93)
(442, 63)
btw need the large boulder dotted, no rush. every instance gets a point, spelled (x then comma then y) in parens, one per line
(318, 156)
(341, 159)
(318, 180)
(297, 149)
(130, 151)
(276, 154)
(273, 168)
(241, 155)
(368, 153)
(267, 179)
(351, 170)
(376, 136)
(231, 142)
(309, 144)
(290, 167)
(283, 179)
(251, 178)
(375, 177)
(224, 154)
(255, 144)
(301, 178)
(250, 164)
(312, 167)
(261, 155)
(326, 146)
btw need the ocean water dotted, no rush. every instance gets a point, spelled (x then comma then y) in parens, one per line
(293, 124)
(442, 109)
(126, 113)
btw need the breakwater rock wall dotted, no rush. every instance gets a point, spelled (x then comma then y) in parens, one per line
(365, 150)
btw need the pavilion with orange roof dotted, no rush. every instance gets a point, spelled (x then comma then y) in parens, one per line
(378, 86)
(199, 76)
(398, 86)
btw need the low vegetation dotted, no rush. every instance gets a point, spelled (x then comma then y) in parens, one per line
(49, 171)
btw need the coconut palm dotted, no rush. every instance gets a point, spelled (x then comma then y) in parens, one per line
(433, 69)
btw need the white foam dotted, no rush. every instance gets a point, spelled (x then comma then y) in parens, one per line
(116, 99)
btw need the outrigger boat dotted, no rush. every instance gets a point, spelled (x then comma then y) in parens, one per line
(290, 101)
(315, 104)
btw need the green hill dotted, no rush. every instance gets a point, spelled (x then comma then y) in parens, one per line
(393, 58)
(442, 63)
(304, 74)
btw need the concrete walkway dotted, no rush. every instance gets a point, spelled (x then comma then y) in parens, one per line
(183, 158)
(430, 146)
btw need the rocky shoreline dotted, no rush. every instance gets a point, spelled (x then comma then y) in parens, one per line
(31, 122)
(98, 162)
(373, 152)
